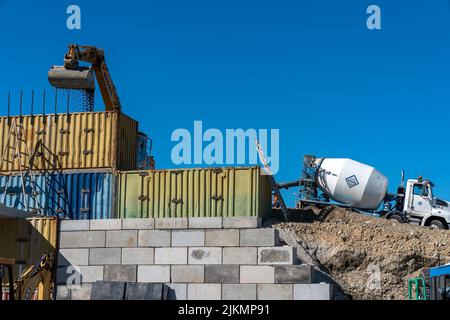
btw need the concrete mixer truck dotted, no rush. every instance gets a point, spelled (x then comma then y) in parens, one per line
(359, 187)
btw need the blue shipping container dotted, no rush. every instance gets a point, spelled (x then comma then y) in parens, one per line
(73, 195)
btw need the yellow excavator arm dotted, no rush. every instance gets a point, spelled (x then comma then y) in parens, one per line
(39, 275)
(72, 76)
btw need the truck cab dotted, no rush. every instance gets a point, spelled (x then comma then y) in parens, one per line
(422, 207)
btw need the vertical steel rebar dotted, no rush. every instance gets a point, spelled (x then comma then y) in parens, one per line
(56, 102)
(20, 106)
(9, 106)
(68, 105)
(32, 102)
(43, 104)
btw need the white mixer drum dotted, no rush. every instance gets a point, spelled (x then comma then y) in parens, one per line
(351, 182)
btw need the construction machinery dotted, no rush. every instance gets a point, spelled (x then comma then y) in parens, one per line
(278, 197)
(359, 187)
(74, 76)
(39, 276)
(432, 284)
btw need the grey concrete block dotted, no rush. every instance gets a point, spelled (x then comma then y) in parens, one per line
(91, 273)
(275, 292)
(154, 238)
(222, 238)
(204, 291)
(120, 273)
(176, 291)
(62, 293)
(259, 237)
(239, 292)
(64, 272)
(257, 274)
(171, 255)
(276, 255)
(106, 224)
(108, 290)
(315, 291)
(121, 238)
(138, 255)
(82, 293)
(145, 291)
(77, 257)
(171, 223)
(188, 273)
(241, 222)
(138, 223)
(240, 255)
(103, 256)
(188, 238)
(293, 274)
(205, 223)
(158, 274)
(74, 225)
(222, 273)
(76, 275)
(82, 239)
(205, 255)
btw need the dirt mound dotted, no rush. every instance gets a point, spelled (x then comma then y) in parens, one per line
(369, 257)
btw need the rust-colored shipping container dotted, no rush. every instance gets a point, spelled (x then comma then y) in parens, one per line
(84, 140)
(201, 192)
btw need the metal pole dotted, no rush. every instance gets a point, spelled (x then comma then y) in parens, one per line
(68, 104)
(9, 106)
(20, 106)
(43, 104)
(32, 102)
(56, 100)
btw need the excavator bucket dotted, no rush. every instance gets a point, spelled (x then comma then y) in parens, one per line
(80, 78)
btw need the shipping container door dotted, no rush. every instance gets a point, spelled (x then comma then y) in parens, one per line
(131, 195)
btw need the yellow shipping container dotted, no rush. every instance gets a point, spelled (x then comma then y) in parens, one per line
(26, 240)
(84, 140)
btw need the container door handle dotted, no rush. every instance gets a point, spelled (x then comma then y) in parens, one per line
(176, 201)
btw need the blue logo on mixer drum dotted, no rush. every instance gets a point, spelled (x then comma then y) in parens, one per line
(352, 181)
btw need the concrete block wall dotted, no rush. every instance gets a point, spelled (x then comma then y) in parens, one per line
(197, 259)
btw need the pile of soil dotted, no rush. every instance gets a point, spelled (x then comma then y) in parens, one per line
(367, 257)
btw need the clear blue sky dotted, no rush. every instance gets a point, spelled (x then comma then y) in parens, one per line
(310, 68)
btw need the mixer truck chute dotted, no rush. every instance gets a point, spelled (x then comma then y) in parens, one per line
(357, 186)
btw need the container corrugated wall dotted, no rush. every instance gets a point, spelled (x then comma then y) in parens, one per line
(26, 240)
(74, 195)
(206, 192)
(127, 141)
(74, 141)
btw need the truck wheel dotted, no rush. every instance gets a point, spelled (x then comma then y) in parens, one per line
(397, 218)
(436, 224)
